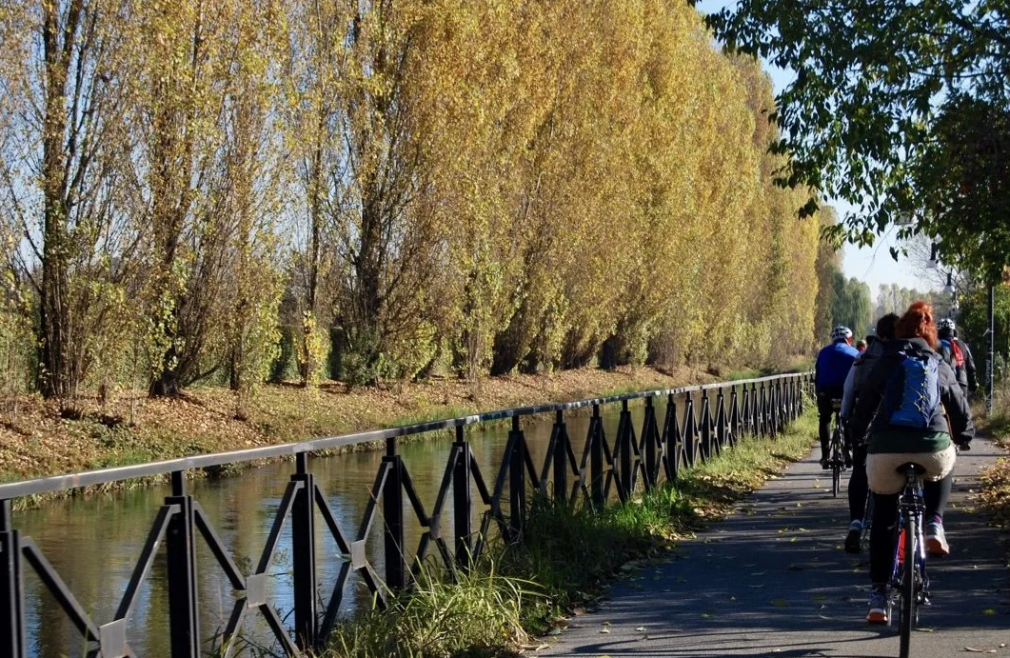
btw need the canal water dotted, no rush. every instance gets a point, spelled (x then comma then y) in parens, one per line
(94, 542)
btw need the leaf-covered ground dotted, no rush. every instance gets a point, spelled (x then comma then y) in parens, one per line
(40, 438)
(995, 494)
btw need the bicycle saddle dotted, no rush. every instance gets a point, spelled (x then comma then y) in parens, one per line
(911, 465)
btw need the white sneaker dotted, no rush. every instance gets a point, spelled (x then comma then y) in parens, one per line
(936, 542)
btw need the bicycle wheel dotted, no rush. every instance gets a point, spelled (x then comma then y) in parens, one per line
(836, 475)
(908, 603)
(836, 461)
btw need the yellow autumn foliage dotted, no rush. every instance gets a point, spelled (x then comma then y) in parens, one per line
(410, 187)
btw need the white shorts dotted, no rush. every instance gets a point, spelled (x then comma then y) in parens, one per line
(884, 478)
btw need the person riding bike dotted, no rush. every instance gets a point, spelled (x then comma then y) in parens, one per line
(830, 371)
(903, 409)
(955, 352)
(857, 489)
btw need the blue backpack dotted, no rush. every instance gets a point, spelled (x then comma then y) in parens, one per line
(912, 394)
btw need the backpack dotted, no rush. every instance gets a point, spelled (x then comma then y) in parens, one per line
(956, 355)
(912, 394)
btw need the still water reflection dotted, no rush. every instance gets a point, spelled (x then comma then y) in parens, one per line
(95, 542)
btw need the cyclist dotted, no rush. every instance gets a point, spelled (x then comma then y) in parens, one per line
(833, 363)
(895, 440)
(955, 352)
(857, 488)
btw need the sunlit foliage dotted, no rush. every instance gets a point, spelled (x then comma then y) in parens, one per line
(397, 188)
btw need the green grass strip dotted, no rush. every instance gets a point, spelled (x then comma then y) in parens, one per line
(565, 563)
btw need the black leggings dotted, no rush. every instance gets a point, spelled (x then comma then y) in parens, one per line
(825, 410)
(885, 517)
(858, 486)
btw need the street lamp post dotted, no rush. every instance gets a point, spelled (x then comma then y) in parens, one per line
(950, 290)
(992, 352)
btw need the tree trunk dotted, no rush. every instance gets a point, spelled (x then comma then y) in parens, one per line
(57, 376)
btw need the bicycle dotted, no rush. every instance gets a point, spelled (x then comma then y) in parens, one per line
(836, 460)
(909, 584)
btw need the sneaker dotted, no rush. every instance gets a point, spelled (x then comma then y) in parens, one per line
(853, 538)
(825, 464)
(878, 607)
(936, 542)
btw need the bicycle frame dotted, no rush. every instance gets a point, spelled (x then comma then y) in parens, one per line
(836, 446)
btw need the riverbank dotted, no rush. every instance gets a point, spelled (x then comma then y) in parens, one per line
(39, 438)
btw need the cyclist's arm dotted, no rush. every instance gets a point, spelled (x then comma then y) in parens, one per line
(817, 375)
(848, 392)
(871, 391)
(958, 411)
(969, 366)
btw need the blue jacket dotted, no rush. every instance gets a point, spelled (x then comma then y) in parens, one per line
(833, 363)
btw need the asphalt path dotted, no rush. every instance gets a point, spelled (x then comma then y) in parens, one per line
(772, 580)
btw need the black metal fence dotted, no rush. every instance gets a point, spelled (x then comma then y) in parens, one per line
(699, 423)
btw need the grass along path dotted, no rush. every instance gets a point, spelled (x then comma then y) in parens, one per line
(567, 563)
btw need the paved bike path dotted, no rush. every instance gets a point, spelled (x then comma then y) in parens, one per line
(772, 580)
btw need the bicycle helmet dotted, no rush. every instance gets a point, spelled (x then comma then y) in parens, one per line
(840, 333)
(946, 326)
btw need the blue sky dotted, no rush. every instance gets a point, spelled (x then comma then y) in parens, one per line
(873, 265)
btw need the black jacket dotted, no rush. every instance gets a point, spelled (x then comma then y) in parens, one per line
(967, 378)
(872, 393)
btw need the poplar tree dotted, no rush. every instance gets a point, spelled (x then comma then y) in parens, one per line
(60, 138)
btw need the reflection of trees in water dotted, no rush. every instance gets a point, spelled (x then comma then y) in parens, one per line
(94, 543)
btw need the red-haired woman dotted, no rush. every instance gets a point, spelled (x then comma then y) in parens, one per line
(906, 425)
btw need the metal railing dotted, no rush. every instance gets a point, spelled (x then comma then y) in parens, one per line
(710, 419)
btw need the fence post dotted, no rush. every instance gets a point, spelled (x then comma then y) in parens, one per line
(462, 500)
(780, 406)
(765, 409)
(392, 510)
(734, 416)
(787, 401)
(794, 398)
(624, 441)
(671, 433)
(706, 427)
(773, 410)
(12, 636)
(649, 442)
(560, 458)
(720, 421)
(690, 428)
(517, 480)
(303, 544)
(596, 457)
(180, 544)
(755, 408)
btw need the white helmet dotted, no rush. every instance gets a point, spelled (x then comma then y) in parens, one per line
(840, 332)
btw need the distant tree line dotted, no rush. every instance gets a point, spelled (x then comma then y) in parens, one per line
(237, 191)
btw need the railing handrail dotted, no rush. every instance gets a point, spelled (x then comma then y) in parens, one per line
(53, 483)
